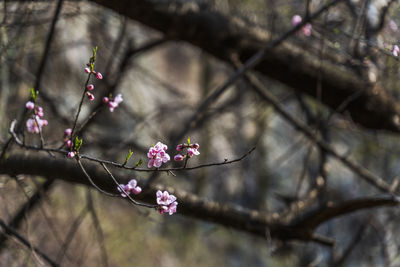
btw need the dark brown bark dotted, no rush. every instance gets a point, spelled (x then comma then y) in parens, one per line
(222, 36)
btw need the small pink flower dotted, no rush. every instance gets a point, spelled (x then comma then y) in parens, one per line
(68, 132)
(99, 76)
(180, 147)
(30, 105)
(39, 111)
(90, 87)
(68, 143)
(130, 187)
(178, 157)
(87, 70)
(396, 50)
(164, 198)
(125, 189)
(307, 29)
(192, 151)
(71, 154)
(393, 25)
(113, 102)
(35, 124)
(296, 19)
(195, 145)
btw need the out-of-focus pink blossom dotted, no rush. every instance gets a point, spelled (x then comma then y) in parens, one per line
(87, 70)
(113, 102)
(396, 50)
(35, 124)
(68, 143)
(130, 187)
(90, 87)
(393, 25)
(296, 19)
(157, 155)
(99, 76)
(180, 147)
(39, 111)
(68, 132)
(167, 202)
(71, 154)
(178, 157)
(307, 29)
(30, 105)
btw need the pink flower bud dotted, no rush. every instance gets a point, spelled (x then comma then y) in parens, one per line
(105, 99)
(178, 157)
(196, 146)
(99, 76)
(69, 143)
(296, 19)
(30, 105)
(39, 111)
(90, 87)
(71, 154)
(179, 147)
(90, 95)
(87, 70)
(68, 131)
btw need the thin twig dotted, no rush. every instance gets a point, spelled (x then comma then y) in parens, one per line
(123, 190)
(10, 231)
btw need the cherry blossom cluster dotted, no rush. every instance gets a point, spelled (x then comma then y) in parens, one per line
(157, 155)
(130, 187)
(35, 123)
(167, 203)
(113, 102)
(191, 151)
(306, 30)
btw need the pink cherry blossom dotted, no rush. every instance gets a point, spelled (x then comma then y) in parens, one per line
(90, 87)
(87, 70)
(68, 132)
(167, 202)
(30, 105)
(69, 143)
(71, 154)
(164, 198)
(307, 29)
(192, 151)
(157, 155)
(113, 102)
(393, 25)
(296, 19)
(39, 111)
(180, 147)
(130, 187)
(396, 50)
(35, 124)
(178, 157)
